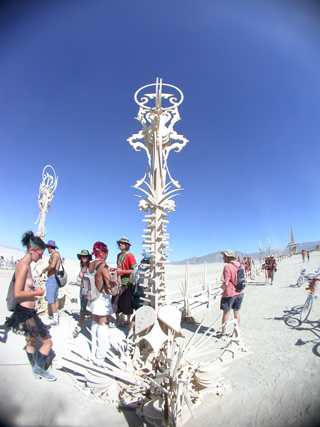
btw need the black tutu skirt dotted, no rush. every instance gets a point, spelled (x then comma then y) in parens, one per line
(25, 321)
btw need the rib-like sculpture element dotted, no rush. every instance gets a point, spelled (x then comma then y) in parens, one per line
(157, 138)
(46, 190)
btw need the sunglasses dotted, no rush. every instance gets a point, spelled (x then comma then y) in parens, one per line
(39, 253)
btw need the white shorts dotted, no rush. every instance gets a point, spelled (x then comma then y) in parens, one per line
(102, 306)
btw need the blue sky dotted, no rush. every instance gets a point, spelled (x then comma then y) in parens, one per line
(250, 76)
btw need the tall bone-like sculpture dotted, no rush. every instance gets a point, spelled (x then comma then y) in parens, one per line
(152, 370)
(157, 138)
(46, 190)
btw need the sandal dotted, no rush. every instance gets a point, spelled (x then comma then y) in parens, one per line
(112, 324)
(75, 333)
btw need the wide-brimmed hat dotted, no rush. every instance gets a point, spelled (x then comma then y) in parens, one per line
(124, 240)
(52, 243)
(84, 252)
(229, 253)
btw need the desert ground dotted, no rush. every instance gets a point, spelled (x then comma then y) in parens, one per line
(276, 384)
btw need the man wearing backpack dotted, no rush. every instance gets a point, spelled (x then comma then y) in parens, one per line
(232, 297)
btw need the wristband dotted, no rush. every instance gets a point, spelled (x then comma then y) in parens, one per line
(37, 292)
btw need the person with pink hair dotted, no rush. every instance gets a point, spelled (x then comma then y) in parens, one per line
(101, 308)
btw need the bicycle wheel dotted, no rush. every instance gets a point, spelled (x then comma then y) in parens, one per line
(300, 281)
(306, 308)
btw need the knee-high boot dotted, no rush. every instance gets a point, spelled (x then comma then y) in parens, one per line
(94, 326)
(103, 341)
(39, 371)
(32, 359)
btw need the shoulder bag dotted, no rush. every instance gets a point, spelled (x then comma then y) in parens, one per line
(61, 276)
(12, 301)
(115, 283)
(90, 284)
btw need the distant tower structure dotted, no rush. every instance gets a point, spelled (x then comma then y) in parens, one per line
(292, 245)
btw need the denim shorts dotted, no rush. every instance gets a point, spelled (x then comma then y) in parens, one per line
(234, 303)
(52, 290)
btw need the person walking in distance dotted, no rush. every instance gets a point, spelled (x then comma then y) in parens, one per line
(52, 286)
(231, 299)
(25, 319)
(272, 268)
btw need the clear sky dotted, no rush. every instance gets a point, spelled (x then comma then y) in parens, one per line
(250, 74)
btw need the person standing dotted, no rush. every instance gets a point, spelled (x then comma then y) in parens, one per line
(101, 308)
(85, 257)
(126, 262)
(231, 299)
(25, 319)
(52, 286)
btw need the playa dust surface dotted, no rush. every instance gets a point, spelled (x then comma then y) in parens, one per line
(277, 384)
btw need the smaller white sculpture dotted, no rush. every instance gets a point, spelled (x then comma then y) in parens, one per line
(46, 190)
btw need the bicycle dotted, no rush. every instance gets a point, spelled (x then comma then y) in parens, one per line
(306, 309)
(304, 276)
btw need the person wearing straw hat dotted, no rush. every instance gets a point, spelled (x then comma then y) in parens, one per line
(126, 262)
(85, 257)
(231, 299)
(52, 286)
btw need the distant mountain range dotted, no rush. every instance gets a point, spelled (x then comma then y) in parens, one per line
(217, 257)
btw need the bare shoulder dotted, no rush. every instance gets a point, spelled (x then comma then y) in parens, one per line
(91, 267)
(22, 267)
(55, 256)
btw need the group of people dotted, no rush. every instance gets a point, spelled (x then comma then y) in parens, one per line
(305, 254)
(25, 320)
(101, 309)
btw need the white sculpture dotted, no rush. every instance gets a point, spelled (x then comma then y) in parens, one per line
(46, 190)
(152, 371)
(158, 113)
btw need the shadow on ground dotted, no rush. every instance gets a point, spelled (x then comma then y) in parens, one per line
(292, 319)
(259, 284)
